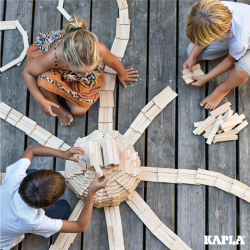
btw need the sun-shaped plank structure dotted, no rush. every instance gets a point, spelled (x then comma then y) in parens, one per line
(111, 153)
(107, 151)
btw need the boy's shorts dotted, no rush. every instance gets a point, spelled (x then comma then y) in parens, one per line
(216, 50)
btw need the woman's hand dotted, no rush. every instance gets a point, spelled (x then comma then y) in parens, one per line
(199, 80)
(189, 63)
(73, 154)
(129, 76)
(46, 106)
(98, 183)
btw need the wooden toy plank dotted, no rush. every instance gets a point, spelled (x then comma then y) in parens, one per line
(226, 138)
(124, 17)
(110, 80)
(204, 125)
(214, 131)
(105, 126)
(231, 123)
(125, 31)
(64, 12)
(114, 46)
(189, 80)
(120, 4)
(196, 72)
(220, 108)
(137, 120)
(106, 99)
(118, 29)
(153, 112)
(196, 66)
(241, 126)
(225, 134)
(147, 107)
(105, 115)
(125, 4)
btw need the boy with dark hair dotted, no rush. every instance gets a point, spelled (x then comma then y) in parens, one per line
(30, 199)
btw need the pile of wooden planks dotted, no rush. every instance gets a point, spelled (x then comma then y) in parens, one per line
(106, 152)
(148, 113)
(62, 10)
(9, 25)
(114, 227)
(196, 72)
(64, 240)
(154, 224)
(31, 128)
(220, 128)
(196, 177)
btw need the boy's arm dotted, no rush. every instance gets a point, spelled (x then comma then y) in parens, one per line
(113, 62)
(191, 60)
(83, 221)
(221, 68)
(35, 150)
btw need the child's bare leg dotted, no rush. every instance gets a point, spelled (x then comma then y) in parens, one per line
(237, 77)
(63, 115)
(76, 110)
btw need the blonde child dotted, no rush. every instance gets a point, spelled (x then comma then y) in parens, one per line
(216, 29)
(69, 63)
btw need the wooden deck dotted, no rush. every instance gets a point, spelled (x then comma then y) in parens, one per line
(157, 49)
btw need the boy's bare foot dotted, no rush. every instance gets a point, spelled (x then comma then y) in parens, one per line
(63, 115)
(214, 99)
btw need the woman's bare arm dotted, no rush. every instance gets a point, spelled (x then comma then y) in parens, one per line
(113, 62)
(33, 69)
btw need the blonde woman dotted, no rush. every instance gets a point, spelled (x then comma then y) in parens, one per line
(69, 63)
(216, 29)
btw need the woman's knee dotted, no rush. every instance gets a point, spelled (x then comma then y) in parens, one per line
(241, 74)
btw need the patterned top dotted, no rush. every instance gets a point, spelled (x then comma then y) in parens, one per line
(46, 40)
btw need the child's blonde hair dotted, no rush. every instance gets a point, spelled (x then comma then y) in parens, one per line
(209, 21)
(80, 46)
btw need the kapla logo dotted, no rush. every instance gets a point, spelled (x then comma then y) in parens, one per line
(223, 240)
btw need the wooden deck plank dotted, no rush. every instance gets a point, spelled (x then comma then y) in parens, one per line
(244, 145)
(104, 14)
(131, 101)
(42, 24)
(77, 128)
(161, 132)
(222, 159)
(10, 150)
(191, 149)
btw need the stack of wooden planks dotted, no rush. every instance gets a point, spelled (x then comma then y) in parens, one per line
(7, 25)
(148, 113)
(196, 177)
(105, 119)
(31, 128)
(220, 128)
(196, 72)
(114, 227)
(106, 152)
(64, 240)
(154, 224)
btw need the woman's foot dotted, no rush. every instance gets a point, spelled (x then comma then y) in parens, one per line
(214, 99)
(63, 115)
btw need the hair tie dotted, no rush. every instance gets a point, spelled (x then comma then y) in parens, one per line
(78, 28)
